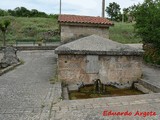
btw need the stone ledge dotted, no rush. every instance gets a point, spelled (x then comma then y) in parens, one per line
(34, 47)
(142, 88)
(110, 53)
(149, 85)
(5, 70)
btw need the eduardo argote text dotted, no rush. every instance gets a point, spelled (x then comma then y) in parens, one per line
(128, 113)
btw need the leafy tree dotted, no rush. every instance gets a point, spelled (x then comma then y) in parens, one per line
(125, 14)
(147, 18)
(3, 27)
(24, 12)
(113, 11)
(129, 13)
(21, 12)
(11, 12)
(34, 13)
(3, 13)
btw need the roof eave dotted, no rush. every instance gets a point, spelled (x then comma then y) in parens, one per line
(85, 24)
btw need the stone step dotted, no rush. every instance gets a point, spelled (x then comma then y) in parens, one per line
(149, 85)
(142, 88)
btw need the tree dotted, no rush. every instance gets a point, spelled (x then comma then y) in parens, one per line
(34, 13)
(3, 12)
(125, 14)
(129, 13)
(22, 12)
(11, 12)
(3, 27)
(147, 17)
(113, 11)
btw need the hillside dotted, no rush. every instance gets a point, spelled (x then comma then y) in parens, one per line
(29, 28)
(124, 33)
(35, 28)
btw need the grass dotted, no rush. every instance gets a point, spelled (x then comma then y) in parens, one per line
(123, 33)
(54, 79)
(23, 27)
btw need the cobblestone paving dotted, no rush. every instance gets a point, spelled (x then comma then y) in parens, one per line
(26, 93)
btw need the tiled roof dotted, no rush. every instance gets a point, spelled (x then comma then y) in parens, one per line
(83, 19)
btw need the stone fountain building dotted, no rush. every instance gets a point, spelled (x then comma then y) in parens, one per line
(95, 57)
(73, 27)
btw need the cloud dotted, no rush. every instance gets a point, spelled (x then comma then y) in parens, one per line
(84, 7)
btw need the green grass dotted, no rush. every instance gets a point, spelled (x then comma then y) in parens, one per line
(123, 33)
(23, 27)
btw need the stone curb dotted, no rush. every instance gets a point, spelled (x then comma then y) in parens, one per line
(53, 98)
(150, 85)
(142, 88)
(152, 65)
(9, 68)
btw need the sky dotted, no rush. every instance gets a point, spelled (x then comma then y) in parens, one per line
(78, 7)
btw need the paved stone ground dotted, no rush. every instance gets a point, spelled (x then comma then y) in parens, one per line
(26, 93)
(92, 109)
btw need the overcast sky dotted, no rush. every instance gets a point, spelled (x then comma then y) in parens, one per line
(80, 7)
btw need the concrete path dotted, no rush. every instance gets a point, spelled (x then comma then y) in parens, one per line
(26, 91)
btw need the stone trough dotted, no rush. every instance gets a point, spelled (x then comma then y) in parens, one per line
(93, 57)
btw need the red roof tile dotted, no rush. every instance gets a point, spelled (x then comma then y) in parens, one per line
(83, 19)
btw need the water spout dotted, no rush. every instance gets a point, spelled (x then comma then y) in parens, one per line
(99, 87)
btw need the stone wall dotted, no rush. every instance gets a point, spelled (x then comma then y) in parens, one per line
(69, 33)
(119, 70)
(21, 48)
